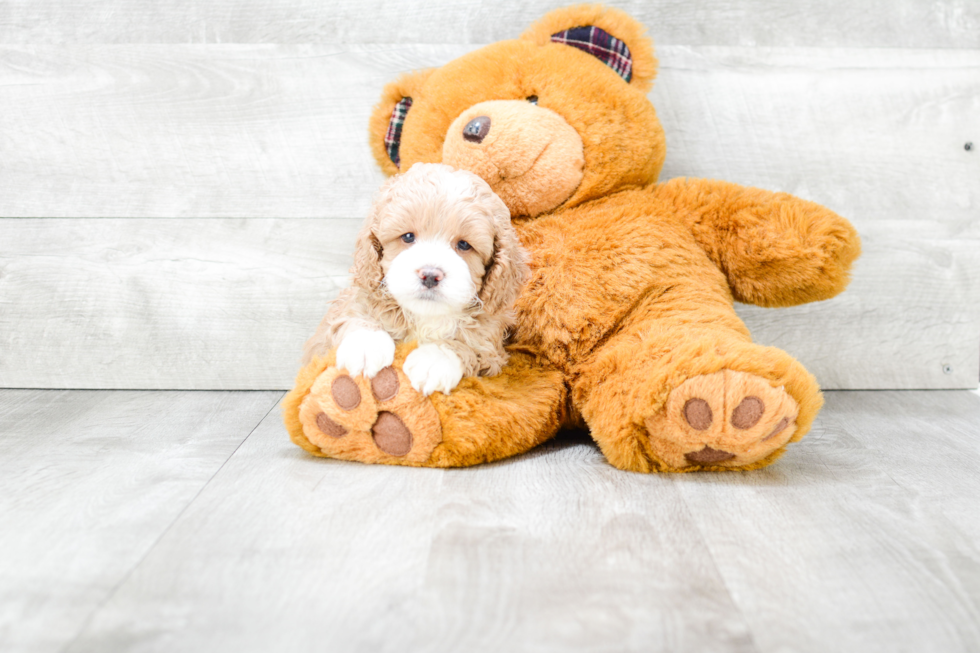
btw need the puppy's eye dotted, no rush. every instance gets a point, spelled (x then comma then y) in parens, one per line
(408, 238)
(463, 246)
(533, 99)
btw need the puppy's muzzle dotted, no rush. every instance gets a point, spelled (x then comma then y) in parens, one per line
(430, 276)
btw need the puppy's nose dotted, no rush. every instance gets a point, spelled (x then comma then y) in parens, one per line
(431, 276)
(477, 129)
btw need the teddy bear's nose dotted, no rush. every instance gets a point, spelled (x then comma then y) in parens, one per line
(477, 129)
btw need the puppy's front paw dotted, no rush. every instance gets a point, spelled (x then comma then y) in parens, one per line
(365, 351)
(431, 368)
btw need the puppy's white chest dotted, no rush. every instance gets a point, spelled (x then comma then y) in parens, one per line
(428, 328)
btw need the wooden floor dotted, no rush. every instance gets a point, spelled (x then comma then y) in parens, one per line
(186, 521)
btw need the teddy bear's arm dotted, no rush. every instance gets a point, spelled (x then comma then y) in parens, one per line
(774, 248)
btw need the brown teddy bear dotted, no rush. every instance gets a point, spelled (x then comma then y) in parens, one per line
(626, 325)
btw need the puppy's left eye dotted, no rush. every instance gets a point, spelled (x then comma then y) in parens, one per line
(463, 246)
(408, 238)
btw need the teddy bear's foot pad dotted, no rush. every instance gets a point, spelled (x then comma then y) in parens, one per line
(379, 420)
(722, 420)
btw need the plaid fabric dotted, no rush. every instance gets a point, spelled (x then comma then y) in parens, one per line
(394, 136)
(600, 44)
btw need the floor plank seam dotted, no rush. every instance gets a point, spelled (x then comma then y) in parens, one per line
(714, 562)
(139, 563)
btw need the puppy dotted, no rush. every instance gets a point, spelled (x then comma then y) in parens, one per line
(437, 261)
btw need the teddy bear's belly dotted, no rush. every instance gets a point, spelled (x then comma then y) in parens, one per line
(592, 270)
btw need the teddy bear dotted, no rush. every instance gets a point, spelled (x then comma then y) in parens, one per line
(626, 325)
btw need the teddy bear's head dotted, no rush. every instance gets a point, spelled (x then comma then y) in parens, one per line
(555, 118)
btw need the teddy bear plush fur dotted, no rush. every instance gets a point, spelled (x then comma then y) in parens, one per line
(626, 325)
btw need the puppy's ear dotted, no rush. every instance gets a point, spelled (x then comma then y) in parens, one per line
(389, 116)
(507, 271)
(366, 270)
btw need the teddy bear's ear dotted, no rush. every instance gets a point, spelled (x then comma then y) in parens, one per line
(610, 35)
(388, 118)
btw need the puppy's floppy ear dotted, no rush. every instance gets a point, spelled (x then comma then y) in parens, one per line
(389, 116)
(610, 35)
(507, 271)
(366, 270)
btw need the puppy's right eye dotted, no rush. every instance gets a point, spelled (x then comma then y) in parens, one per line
(408, 238)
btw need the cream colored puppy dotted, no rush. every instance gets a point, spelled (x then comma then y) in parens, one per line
(437, 261)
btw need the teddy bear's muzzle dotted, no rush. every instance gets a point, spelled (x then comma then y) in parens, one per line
(531, 157)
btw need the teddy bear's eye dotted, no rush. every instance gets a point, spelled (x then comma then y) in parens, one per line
(408, 238)
(533, 99)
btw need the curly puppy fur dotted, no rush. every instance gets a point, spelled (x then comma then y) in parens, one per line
(437, 204)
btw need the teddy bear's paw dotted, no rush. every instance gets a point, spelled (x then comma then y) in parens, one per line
(378, 420)
(722, 420)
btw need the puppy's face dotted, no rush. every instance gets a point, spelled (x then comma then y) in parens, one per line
(436, 233)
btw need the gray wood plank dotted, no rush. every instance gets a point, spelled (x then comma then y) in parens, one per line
(198, 131)
(846, 544)
(176, 131)
(551, 551)
(157, 304)
(227, 304)
(280, 131)
(849, 542)
(88, 483)
(878, 136)
(935, 435)
(862, 538)
(910, 318)
(880, 23)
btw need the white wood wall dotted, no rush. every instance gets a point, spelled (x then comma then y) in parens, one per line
(180, 184)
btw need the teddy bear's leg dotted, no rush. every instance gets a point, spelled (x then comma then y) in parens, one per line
(683, 397)
(384, 420)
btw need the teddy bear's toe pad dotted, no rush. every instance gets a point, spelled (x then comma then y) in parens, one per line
(391, 435)
(697, 414)
(370, 420)
(345, 392)
(385, 384)
(330, 427)
(722, 420)
(708, 456)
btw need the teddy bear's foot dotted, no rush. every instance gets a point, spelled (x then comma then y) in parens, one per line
(722, 420)
(379, 420)
(384, 420)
